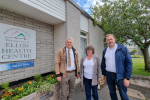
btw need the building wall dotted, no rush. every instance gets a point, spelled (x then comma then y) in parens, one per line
(73, 25)
(44, 61)
(96, 36)
(60, 34)
(70, 28)
(130, 48)
(49, 39)
(55, 8)
(139, 52)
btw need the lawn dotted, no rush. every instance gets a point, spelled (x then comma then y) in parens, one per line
(137, 60)
(136, 56)
(138, 67)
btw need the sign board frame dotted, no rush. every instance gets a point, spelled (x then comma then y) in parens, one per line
(17, 43)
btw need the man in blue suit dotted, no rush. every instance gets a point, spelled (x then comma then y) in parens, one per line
(116, 67)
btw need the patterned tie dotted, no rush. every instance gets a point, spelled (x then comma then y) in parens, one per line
(69, 59)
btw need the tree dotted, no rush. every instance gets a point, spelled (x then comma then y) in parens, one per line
(127, 20)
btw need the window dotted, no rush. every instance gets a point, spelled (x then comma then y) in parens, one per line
(83, 38)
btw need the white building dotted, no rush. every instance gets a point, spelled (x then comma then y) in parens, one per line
(53, 21)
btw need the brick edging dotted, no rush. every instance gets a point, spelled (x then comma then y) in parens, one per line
(143, 89)
(140, 77)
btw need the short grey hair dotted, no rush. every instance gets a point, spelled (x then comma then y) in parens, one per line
(90, 47)
(69, 38)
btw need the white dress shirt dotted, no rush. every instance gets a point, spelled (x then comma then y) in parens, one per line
(110, 59)
(72, 60)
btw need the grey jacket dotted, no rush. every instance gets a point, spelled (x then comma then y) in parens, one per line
(97, 74)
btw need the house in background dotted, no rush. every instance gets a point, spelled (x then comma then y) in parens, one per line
(50, 22)
(132, 47)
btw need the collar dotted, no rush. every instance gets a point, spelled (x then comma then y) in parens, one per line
(73, 49)
(68, 49)
(119, 46)
(115, 47)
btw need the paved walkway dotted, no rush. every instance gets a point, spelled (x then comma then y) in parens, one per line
(104, 94)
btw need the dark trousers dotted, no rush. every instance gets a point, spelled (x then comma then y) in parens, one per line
(112, 82)
(88, 87)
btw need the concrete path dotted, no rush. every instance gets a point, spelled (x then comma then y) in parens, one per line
(104, 94)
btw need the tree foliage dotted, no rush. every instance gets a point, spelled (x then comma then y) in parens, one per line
(127, 20)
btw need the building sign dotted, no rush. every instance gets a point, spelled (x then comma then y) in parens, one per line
(16, 65)
(16, 43)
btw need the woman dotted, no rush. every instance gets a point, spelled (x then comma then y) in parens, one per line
(90, 72)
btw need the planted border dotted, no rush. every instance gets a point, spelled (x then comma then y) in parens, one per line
(39, 85)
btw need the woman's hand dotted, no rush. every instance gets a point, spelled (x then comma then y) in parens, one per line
(78, 76)
(99, 80)
(105, 78)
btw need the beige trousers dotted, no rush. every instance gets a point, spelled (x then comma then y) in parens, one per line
(69, 80)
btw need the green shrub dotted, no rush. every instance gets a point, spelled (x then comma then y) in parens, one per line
(39, 79)
(134, 50)
(45, 87)
(5, 86)
(26, 89)
(51, 79)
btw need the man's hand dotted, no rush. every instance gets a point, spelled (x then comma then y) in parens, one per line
(126, 82)
(78, 76)
(99, 80)
(59, 78)
(105, 78)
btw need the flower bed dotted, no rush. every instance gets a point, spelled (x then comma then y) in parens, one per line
(35, 87)
(44, 96)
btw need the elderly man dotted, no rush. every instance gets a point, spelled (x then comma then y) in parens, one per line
(116, 67)
(67, 67)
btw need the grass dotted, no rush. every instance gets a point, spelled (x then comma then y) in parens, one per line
(136, 56)
(138, 60)
(138, 67)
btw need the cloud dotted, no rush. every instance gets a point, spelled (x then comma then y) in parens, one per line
(79, 4)
(92, 3)
(86, 5)
(86, 10)
(101, 3)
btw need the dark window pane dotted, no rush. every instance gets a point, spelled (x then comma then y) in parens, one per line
(84, 34)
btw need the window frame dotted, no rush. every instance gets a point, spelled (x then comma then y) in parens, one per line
(85, 37)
